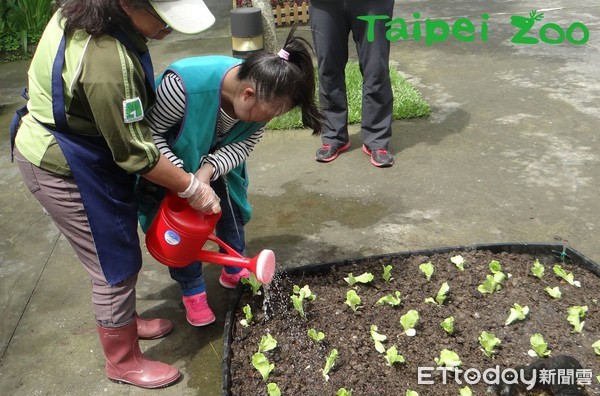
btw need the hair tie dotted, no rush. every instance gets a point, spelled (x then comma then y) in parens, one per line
(283, 54)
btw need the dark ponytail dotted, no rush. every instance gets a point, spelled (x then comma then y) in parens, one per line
(276, 77)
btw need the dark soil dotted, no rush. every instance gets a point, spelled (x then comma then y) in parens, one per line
(299, 361)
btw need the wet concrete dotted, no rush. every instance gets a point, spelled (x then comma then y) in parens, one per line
(510, 154)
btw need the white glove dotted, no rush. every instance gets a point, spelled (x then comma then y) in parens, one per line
(201, 196)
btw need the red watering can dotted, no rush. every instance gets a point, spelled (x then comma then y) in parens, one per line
(178, 233)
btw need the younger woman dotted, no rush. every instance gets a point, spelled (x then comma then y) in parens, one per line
(210, 112)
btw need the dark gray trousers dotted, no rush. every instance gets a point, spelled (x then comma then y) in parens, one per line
(331, 22)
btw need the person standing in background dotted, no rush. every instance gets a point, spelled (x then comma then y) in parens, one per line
(331, 22)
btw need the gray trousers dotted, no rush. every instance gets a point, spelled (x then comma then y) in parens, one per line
(114, 306)
(331, 22)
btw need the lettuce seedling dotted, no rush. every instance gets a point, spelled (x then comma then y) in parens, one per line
(409, 321)
(575, 314)
(273, 389)
(517, 313)
(299, 296)
(378, 339)
(489, 342)
(495, 266)
(316, 336)
(254, 284)
(329, 363)
(352, 300)
(568, 277)
(267, 343)
(596, 346)
(540, 348)
(411, 393)
(466, 391)
(427, 269)
(448, 325)
(554, 292)
(367, 277)
(248, 312)
(537, 269)
(387, 273)
(344, 392)
(459, 261)
(448, 358)
(492, 283)
(394, 300)
(441, 295)
(392, 356)
(261, 363)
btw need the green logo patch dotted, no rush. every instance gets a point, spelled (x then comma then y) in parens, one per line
(132, 110)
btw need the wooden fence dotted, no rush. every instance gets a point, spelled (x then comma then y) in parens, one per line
(288, 15)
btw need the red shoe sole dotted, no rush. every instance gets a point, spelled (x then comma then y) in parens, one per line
(340, 150)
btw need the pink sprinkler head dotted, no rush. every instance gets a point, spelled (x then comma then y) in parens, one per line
(264, 266)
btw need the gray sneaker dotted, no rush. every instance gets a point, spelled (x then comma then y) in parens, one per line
(381, 158)
(328, 153)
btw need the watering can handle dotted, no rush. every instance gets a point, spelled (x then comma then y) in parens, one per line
(223, 245)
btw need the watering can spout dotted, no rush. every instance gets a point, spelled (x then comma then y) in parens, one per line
(178, 233)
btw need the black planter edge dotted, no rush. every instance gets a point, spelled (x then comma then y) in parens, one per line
(535, 249)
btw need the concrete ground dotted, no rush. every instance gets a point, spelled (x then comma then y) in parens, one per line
(509, 154)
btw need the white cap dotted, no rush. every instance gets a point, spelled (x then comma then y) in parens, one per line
(185, 16)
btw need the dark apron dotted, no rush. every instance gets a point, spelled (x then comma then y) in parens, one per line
(106, 189)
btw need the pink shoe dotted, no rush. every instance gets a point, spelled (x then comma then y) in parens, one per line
(197, 311)
(230, 281)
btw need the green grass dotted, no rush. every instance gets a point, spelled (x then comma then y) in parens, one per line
(408, 102)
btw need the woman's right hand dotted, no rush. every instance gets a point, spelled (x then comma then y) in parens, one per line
(201, 196)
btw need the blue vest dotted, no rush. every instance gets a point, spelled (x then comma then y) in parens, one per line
(202, 79)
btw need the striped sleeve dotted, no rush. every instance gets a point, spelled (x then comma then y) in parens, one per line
(232, 155)
(167, 112)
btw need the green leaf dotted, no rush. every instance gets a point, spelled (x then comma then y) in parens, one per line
(267, 343)
(248, 312)
(448, 358)
(459, 261)
(329, 363)
(489, 342)
(273, 389)
(466, 391)
(411, 393)
(537, 269)
(387, 273)
(367, 277)
(392, 356)
(378, 339)
(344, 392)
(427, 269)
(448, 325)
(254, 284)
(566, 276)
(553, 292)
(352, 300)
(394, 300)
(495, 266)
(517, 313)
(575, 314)
(316, 336)
(539, 345)
(261, 363)
(596, 346)
(409, 321)
(298, 303)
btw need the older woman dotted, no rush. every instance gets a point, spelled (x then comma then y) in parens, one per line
(84, 140)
